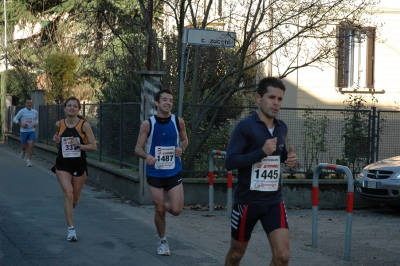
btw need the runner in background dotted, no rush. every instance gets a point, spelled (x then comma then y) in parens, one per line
(27, 118)
(165, 138)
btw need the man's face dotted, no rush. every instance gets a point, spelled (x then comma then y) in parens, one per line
(165, 103)
(28, 104)
(270, 103)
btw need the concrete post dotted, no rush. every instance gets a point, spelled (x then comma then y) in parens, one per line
(151, 84)
(8, 121)
(38, 99)
(3, 91)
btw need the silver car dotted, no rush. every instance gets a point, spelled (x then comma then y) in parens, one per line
(379, 182)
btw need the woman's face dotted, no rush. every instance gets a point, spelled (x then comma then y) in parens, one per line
(72, 108)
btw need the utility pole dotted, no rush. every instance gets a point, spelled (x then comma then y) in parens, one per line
(150, 17)
(5, 34)
(270, 38)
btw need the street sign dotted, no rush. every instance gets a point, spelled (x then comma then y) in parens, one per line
(211, 38)
(223, 39)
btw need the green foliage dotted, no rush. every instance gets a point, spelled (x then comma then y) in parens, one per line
(113, 59)
(120, 83)
(36, 6)
(19, 88)
(314, 134)
(218, 137)
(60, 68)
(355, 133)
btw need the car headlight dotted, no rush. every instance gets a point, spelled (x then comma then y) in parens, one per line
(362, 174)
(396, 175)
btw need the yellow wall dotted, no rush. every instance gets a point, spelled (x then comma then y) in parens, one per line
(311, 86)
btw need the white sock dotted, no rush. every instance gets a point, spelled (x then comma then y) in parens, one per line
(163, 238)
(71, 227)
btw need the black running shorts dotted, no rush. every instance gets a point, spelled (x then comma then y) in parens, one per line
(166, 183)
(244, 218)
(75, 167)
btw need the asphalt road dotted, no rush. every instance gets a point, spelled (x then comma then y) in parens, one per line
(115, 231)
(33, 230)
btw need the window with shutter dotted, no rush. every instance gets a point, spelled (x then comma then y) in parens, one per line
(355, 57)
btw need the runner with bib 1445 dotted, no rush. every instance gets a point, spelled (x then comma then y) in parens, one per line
(257, 148)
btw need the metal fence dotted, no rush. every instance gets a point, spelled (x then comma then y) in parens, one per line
(114, 125)
(338, 136)
(388, 144)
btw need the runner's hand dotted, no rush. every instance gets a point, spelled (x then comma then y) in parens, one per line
(151, 160)
(291, 160)
(178, 151)
(270, 146)
(74, 141)
(56, 138)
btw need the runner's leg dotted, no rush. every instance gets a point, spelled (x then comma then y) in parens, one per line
(175, 200)
(157, 194)
(279, 242)
(77, 186)
(235, 253)
(24, 141)
(30, 150)
(65, 180)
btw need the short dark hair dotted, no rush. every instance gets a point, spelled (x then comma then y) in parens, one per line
(28, 99)
(269, 81)
(158, 94)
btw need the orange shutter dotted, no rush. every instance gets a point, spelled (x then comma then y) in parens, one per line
(340, 57)
(370, 74)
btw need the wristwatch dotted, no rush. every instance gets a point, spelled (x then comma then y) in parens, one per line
(79, 145)
(183, 149)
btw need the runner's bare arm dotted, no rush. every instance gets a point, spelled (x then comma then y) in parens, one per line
(91, 144)
(56, 137)
(183, 143)
(141, 142)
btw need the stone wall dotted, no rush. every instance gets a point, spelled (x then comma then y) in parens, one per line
(125, 182)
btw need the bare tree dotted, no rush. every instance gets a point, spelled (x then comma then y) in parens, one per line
(284, 34)
(112, 38)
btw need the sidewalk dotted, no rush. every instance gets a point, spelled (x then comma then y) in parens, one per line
(375, 233)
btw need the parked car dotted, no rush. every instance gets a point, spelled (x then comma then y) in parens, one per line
(379, 182)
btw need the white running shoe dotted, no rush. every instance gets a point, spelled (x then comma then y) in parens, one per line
(28, 163)
(22, 154)
(163, 248)
(71, 236)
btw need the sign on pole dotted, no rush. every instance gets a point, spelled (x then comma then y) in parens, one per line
(211, 38)
(199, 37)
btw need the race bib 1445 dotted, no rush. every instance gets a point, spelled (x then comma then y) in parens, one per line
(265, 175)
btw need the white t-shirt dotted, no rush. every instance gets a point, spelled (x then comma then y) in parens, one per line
(27, 116)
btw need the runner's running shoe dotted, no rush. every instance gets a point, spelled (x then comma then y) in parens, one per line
(28, 163)
(163, 248)
(71, 236)
(22, 154)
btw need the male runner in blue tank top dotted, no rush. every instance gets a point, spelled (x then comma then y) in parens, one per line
(161, 142)
(257, 148)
